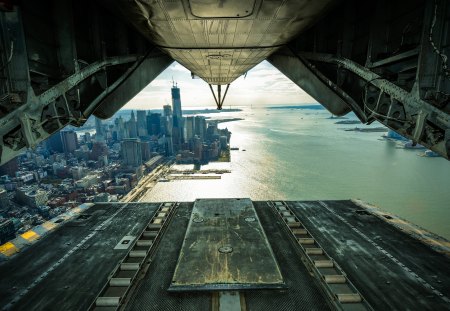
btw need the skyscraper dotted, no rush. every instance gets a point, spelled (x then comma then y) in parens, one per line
(211, 130)
(167, 124)
(131, 126)
(200, 126)
(176, 102)
(131, 152)
(177, 133)
(154, 123)
(145, 150)
(167, 110)
(141, 123)
(189, 128)
(99, 133)
(10, 168)
(54, 142)
(122, 131)
(69, 141)
(99, 149)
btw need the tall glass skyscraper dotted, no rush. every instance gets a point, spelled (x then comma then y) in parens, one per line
(154, 123)
(177, 133)
(69, 141)
(141, 123)
(99, 135)
(176, 102)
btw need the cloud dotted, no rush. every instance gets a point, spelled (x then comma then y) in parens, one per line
(178, 67)
(263, 85)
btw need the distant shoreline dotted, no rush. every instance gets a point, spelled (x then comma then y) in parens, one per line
(206, 111)
(186, 111)
(226, 120)
(313, 107)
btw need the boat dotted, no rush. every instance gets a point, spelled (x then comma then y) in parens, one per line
(429, 154)
(394, 136)
(412, 145)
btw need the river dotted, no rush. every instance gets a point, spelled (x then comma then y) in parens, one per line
(301, 154)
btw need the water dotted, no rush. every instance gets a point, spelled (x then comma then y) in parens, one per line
(302, 155)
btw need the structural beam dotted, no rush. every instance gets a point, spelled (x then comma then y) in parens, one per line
(136, 78)
(296, 70)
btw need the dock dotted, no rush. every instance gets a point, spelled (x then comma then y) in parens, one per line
(252, 255)
(192, 176)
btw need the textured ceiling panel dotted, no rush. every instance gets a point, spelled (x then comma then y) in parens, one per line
(218, 66)
(193, 30)
(214, 8)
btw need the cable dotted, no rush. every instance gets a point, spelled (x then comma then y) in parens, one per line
(374, 112)
(405, 30)
(68, 118)
(11, 52)
(436, 50)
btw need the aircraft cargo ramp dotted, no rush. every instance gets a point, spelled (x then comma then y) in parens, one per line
(229, 254)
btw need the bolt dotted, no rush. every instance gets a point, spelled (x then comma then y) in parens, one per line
(225, 249)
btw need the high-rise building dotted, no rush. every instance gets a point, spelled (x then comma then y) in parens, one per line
(200, 127)
(223, 142)
(169, 145)
(131, 152)
(141, 123)
(176, 102)
(154, 123)
(212, 130)
(132, 127)
(177, 133)
(7, 231)
(122, 131)
(69, 141)
(10, 168)
(99, 149)
(189, 128)
(198, 147)
(146, 150)
(54, 143)
(167, 126)
(99, 132)
(87, 137)
(167, 110)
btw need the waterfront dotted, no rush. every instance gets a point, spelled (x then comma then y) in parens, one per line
(298, 154)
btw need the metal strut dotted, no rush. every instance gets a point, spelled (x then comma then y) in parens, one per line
(219, 100)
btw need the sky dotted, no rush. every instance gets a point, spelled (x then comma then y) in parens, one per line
(264, 85)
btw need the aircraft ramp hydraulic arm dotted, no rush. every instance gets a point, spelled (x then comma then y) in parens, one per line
(62, 61)
(387, 61)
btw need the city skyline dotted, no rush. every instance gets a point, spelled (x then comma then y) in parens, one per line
(72, 168)
(263, 85)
